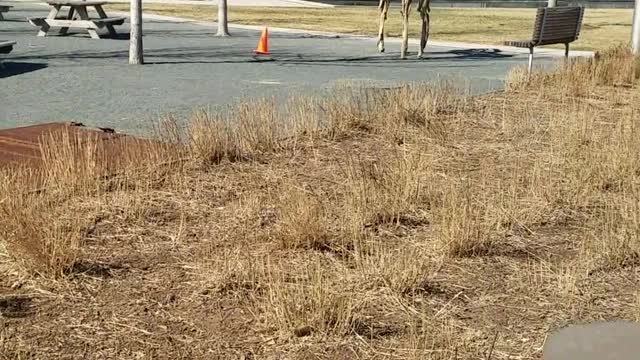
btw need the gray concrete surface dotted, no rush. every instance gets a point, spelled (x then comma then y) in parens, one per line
(618, 340)
(75, 78)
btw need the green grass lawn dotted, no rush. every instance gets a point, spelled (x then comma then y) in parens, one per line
(601, 28)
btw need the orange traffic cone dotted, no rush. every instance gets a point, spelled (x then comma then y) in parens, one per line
(263, 44)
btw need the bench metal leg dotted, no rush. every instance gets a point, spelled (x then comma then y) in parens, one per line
(530, 62)
(566, 55)
(1, 17)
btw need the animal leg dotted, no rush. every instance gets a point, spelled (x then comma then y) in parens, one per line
(424, 8)
(384, 9)
(406, 9)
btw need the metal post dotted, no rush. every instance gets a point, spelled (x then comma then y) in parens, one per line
(635, 30)
(135, 41)
(530, 62)
(552, 3)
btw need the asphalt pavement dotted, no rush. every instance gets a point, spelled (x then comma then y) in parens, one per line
(75, 78)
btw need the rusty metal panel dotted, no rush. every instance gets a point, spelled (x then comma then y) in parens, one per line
(21, 146)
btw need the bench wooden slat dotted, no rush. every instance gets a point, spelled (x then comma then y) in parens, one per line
(110, 21)
(567, 30)
(81, 24)
(557, 23)
(519, 43)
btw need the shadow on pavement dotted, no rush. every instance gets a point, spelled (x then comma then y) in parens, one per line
(15, 20)
(240, 55)
(9, 68)
(284, 58)
(188, 55)
(85, 35)
(455, 55)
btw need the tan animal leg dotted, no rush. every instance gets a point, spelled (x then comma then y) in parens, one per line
(406, 9)
(424, 8)
(384, 9)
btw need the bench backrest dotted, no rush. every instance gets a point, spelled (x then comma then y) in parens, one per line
(558, 25)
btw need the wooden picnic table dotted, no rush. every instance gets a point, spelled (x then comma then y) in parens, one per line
(77, 17)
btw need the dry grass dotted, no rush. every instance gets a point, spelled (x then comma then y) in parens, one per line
(406, 223)
(601, 28)
(302, 220)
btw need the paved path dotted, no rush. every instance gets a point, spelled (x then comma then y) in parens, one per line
(232, 3)
(75, 78)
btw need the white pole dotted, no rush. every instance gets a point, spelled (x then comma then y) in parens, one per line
(552, 3)
(223, 28)
(135, 41)
(635, 30)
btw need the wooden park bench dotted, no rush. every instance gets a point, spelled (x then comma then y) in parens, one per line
(77, 17)
(4, 9)
(558, 25)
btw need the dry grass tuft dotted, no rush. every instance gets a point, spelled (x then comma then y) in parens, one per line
(462, 228)
(384, 191)
(302, 222)
(249, 131)
(48, 211)
(309, 300)
(613, 67)
(43, 237)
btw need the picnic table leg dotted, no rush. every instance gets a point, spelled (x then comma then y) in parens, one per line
(103, 15)
(82, 11)
(64, 30)
(52, 15)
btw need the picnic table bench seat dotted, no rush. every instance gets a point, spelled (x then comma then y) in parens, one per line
(93, 23)
(558, 25)
(4, 9)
